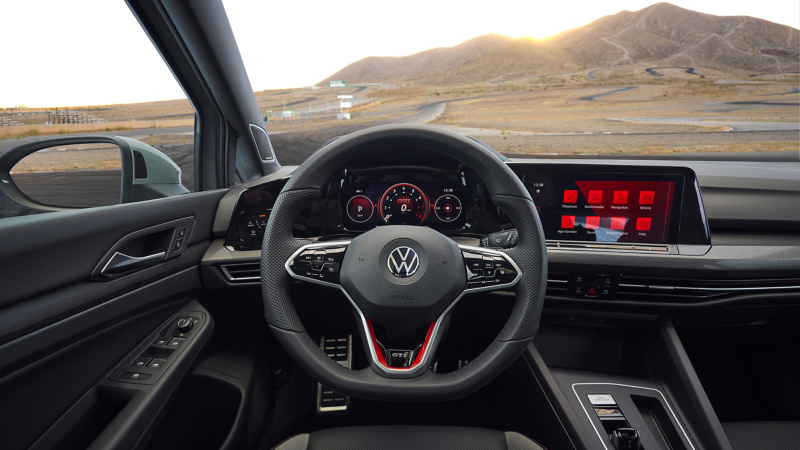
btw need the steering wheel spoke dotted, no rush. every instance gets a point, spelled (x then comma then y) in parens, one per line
(318, 263)
(489, 270)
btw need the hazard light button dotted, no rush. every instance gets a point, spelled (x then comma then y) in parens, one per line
(599, 286)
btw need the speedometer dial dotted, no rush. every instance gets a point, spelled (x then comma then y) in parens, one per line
(404, 204)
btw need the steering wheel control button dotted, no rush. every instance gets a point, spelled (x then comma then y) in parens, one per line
(141, 362)
(399, 358)
(474, 274)
(157, 363)
(490, 271)
(318, 264)
(594, 286)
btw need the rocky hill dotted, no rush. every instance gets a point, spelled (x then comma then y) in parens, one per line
(662, 35)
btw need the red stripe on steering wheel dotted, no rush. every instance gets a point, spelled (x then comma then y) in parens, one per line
(382, 357)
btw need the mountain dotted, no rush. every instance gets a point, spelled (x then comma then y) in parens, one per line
(435, 60)
(683, 37)
(661, 34)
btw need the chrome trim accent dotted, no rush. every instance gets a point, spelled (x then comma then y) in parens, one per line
(435, 336)
(230, 277)
(658, 249)
(690, 288)
(255, 143)
(349, 362)
(675, 416)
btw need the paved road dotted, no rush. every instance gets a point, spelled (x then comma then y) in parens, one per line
(605, 94)
(772, 73)
(591, 74)
(734, 125)
(652, 70)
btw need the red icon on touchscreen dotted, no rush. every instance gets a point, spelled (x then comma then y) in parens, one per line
(646, 197)
(592, 222)
(643, 224)
(620, 197)
(567, 221)
(570, 196)
(595, 197)
(617, 223)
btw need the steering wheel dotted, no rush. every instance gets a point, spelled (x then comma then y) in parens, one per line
(403, 281)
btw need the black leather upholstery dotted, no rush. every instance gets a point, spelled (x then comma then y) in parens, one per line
(409, 437)
(763, 435)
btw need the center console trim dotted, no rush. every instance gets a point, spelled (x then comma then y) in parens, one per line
(674, 416)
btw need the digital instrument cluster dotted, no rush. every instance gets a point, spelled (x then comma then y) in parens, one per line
(433, 203)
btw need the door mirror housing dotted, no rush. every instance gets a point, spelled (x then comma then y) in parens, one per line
(144, 172)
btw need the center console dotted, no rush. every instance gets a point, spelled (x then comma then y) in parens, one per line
(622, 382)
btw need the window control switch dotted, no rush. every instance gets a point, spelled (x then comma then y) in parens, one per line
(141, 362)
(134, 376)
(175, 342)
(157, 363)
(161, 341)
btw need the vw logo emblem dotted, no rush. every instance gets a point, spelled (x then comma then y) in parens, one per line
(403, 262)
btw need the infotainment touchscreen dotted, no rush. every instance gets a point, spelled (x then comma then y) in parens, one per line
(608, 207)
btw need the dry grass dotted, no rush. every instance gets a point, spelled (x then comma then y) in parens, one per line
(72, 157)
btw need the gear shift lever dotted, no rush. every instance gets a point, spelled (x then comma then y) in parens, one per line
(625, 439)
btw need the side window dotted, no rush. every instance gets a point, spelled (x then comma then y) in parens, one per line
(91, 133)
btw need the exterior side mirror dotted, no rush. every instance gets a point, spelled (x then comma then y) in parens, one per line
(145, 173)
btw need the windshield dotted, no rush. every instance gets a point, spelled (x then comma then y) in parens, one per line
(623, 80)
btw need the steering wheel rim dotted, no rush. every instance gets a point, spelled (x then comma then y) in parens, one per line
(529, 257)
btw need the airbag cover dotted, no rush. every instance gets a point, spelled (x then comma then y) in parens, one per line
(392, 297)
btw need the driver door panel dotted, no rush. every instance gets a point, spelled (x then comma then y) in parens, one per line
(63, 330)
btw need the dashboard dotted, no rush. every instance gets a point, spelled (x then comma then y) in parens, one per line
(579, 205)
(595, 217)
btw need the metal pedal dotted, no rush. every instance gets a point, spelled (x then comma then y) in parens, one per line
(329, 402)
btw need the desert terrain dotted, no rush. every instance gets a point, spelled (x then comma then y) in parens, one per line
(663, 82)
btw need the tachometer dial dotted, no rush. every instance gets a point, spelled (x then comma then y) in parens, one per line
(404, 204)
(360, 209)
(447, 208)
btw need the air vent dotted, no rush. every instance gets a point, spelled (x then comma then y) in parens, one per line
(654, 288)
(557, 283)
(242, 273)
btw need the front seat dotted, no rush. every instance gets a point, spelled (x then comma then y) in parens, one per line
(402, 437)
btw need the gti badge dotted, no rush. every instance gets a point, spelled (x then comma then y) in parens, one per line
(403, 262)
